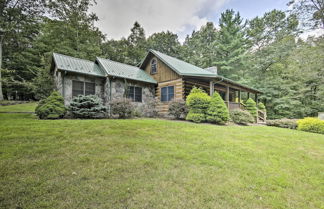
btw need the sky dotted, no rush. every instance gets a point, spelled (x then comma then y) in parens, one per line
(116, 17)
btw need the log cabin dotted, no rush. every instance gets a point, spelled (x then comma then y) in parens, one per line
(158, 76)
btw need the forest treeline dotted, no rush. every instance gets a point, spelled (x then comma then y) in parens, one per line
(265, 52)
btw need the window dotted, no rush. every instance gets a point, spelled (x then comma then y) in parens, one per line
(83, 88)
(153, 66)
(135, 93)
(90, 88)
(77, 88)
(167, 93)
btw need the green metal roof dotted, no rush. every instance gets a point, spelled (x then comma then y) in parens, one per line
(181, 67)
(77, 65)
(187, 69)
(124, 71)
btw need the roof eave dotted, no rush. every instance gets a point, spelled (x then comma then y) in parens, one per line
(96, 75)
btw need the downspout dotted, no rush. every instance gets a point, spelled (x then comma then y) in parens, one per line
(63, 86)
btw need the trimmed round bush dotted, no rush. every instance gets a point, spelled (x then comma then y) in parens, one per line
(122, 108)
(251, 107)
(89, 106)
(197, 103)
(178, 109)
(217, 111)
(314, 125)
(51, 107)
(241, 117)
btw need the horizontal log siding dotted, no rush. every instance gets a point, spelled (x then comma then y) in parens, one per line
(178, 94)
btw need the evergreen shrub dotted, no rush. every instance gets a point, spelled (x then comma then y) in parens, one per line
(51, 107)
(197, 102)
(251, 107)
(89, 106)
(217, 111)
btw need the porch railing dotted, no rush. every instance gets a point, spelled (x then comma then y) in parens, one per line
(235, 105)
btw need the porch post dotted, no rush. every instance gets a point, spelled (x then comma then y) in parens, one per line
(256, 98)
(248, 95)
(239, 96)
(227, 96)
(211, 88)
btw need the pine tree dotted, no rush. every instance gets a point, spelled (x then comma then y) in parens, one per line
(137, 44)
(230, 45)
(217, 111)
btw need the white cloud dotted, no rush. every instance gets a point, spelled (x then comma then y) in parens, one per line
(179, 16)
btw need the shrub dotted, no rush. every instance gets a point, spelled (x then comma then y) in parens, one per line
(87, 107)
(196, 117)
(261, 107)
(51, 107)
(251, 107)
(149, 109)
(283, 123)
(122, 108)
(197, 103)
(217, 111)
(314, 125)
(178, 109)
(241, 117)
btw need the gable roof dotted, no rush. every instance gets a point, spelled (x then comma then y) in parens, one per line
(124, 71)
(72, 64)
(102, 68)
(186, 69)
(179, 66)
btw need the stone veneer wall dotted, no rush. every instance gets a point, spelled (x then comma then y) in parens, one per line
(63, 83)
(118, 87)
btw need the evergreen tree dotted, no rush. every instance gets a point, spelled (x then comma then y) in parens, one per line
(217, 111)
(137, 45)
(199, 48)
(230, 45)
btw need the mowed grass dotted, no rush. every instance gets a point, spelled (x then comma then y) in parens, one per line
(151, 163)
(26, 107)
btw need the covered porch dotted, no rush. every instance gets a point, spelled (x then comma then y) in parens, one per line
(232, 93)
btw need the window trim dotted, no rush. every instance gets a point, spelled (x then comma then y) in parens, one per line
(84, 87)
(151, 65)
(167, 93)
(133, 99)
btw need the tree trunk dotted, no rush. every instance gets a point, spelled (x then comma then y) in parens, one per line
(1, 94)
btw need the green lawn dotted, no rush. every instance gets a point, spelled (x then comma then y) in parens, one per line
(151, 163)
(27, 107)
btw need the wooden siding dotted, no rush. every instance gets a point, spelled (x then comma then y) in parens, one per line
(178, 94)
(164, 73)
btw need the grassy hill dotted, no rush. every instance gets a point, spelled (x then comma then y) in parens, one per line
(151, 163)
